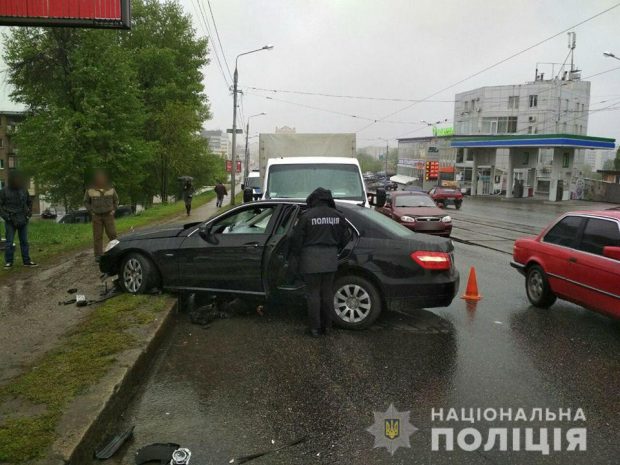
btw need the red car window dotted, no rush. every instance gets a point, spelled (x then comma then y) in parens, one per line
(599, 233)
(564, 232)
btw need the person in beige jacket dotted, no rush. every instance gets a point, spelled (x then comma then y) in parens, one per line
(101, 200)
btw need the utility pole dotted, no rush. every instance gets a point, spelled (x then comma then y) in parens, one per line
(233, 180)
(234, 125)
(247, 149)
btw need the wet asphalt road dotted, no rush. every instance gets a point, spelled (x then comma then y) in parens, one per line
(230, 389)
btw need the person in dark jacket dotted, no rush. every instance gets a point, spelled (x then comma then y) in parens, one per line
(188, 196)
(16, 210)
(220, 192)
(317, 239)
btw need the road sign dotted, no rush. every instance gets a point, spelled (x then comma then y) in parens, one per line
(111, 14)
(229, 166)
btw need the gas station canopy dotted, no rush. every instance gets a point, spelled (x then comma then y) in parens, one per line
(534, 140)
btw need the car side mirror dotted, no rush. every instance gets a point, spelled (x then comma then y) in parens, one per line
(380, 198)
(205, 232)
(611, 252)
(248, 195)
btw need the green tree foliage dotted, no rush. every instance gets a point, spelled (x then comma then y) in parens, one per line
(168, 59)
(369, 163)
(131, 102)
(85, 110)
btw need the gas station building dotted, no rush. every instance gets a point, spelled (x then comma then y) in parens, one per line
(523, 155)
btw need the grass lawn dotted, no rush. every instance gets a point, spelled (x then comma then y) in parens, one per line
(81, 359)
(49, 239)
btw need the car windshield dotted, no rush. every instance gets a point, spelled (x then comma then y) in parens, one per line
(254, 182)
(298, 181)
(413, 201)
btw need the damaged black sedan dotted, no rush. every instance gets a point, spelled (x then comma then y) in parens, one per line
(245, 251)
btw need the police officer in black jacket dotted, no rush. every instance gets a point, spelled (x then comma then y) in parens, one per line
(317, 238)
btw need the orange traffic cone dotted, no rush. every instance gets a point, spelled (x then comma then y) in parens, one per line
(471, 293)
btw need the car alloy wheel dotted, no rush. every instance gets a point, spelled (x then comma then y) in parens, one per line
(537, 287)
(535, 284)
(133, 275)
(352, 303)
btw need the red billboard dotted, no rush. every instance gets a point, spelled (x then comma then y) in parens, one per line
(229, 166)
(115, 14)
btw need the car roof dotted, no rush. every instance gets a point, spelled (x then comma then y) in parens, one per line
(613, 214)
(313, 160)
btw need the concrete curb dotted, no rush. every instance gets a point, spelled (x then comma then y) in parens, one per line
(86, 422)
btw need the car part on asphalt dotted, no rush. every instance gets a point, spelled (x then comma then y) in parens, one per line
(158, 452)
(207, 314)
(248, 458)
(73, 290)
(113, 444)
(80, 300)
(181, 456)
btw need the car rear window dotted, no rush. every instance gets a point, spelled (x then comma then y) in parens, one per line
(383, 224)
(599, 233)
(564, 232)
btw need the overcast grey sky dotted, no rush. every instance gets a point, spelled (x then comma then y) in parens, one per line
(397, 49)
(406, 49)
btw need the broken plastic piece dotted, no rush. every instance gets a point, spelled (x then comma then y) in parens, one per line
(113, 445)
(158, 452)
(73, 290)
(80, 300)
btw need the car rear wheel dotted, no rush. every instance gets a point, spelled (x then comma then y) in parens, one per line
(537, 288)
(137, 274)
(458, 204)
(357, 303)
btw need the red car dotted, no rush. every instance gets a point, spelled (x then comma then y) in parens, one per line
(446, 195)
(577, 258)
(418, 212)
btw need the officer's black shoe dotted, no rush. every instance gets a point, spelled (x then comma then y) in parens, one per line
(314, 333)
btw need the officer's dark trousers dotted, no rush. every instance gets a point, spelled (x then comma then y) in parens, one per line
(320, 299)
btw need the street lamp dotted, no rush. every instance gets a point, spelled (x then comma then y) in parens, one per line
(234, 126)
(247, 151)
(610, 55)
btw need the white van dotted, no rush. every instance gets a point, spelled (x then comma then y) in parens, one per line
(297, 177)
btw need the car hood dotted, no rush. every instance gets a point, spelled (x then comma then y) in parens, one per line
(419, 211)
(154, 233)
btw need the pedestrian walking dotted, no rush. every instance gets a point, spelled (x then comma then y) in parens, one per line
(317, 239)
(188, 195)
(16, 210)
(101, 200)
(220, 192)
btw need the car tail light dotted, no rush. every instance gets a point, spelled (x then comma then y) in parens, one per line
(432, 260)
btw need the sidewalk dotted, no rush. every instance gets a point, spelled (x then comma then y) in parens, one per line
(31, 321)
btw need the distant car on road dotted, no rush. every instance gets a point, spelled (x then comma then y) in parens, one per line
(49, 214)
(244, 252)
(444, 196)
(83, 216)
(418, 212)
(577, 259)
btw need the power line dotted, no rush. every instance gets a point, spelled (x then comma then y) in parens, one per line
(217, 34)
(358, 97)
(335, 112)
(494, 65)
(207, 30)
